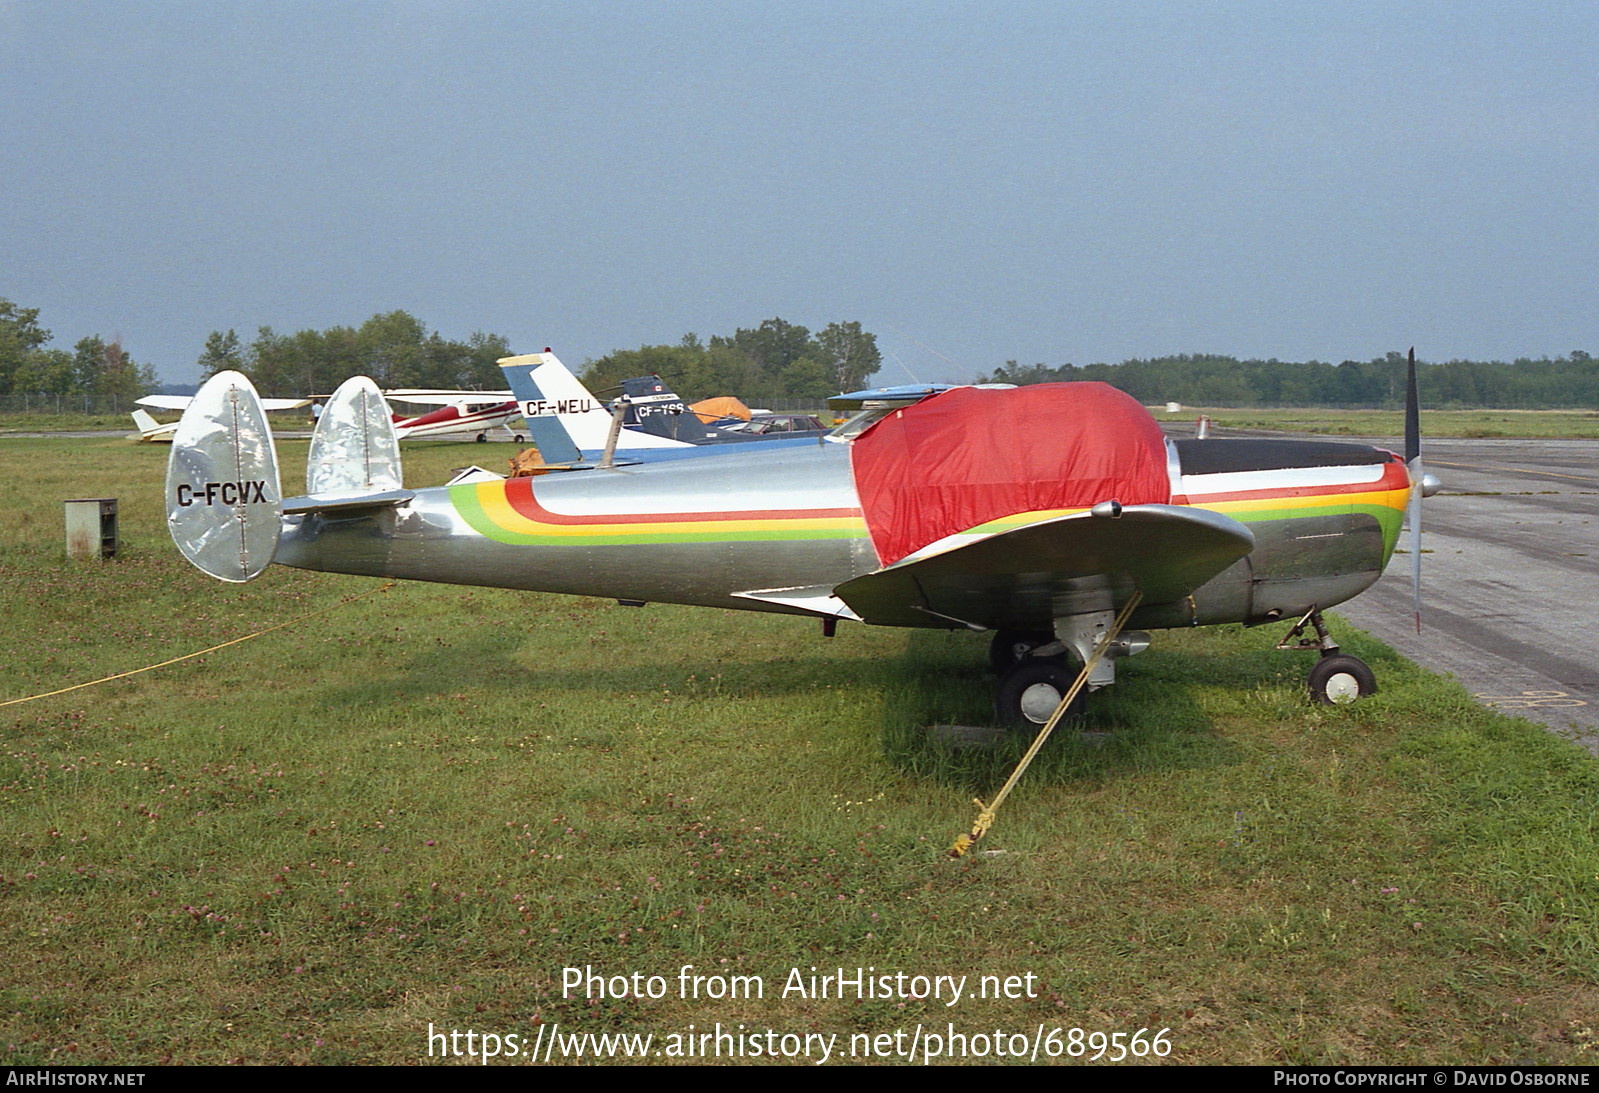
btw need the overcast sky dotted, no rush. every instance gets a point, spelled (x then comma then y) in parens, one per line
(979, 181)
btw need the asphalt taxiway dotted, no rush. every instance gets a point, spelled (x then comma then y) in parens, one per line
(1510, 579)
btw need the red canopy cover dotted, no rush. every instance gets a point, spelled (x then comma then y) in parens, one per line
(962, 458)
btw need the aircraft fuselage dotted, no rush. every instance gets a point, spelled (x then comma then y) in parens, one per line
(754, 530)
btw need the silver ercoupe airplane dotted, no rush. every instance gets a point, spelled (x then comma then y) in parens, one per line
(1035, 513)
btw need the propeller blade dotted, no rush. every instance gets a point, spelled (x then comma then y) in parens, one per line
(1412, 413)
(1413, 462)
(1415, 544)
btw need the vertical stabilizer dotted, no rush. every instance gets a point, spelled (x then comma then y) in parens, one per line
(657, 409)
(150, 428)
(549, 419)
(354, 448)
(224, 501)
(557, 406)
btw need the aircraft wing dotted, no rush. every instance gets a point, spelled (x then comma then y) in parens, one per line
(181, 402)
(165, 402)
(445, 398)
(1027, 577)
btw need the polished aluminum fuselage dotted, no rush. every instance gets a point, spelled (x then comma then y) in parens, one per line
(704, 560)
(754, 529)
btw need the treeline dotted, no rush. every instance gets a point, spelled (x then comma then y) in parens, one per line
(1565, 382)
(94, 370)
(395, 349)
(776, 360)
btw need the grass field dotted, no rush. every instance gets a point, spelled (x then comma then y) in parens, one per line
(418, 809)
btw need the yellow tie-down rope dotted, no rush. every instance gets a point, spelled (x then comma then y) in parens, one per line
(202, 652)
(985, 817)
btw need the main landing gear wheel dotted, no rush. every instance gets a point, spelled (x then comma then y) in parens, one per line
(483, 438)
(1030, 690)
(1340, 679)
(1010, 647)
(517, 438)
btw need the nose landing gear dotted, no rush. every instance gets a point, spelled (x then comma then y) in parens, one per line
(1337, 678)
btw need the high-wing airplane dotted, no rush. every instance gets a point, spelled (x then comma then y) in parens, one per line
(460, 414)
(152, 431)
(1036, 514)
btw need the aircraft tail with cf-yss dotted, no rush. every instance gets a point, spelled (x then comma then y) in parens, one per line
(1035, 514)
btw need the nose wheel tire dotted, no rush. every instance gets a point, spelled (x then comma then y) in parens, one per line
(1340, 679)
(1030, 690)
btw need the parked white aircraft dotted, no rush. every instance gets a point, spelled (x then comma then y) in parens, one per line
(152, 431)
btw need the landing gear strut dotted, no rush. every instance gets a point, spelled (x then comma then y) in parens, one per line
(1337, 678)
(1011, 647)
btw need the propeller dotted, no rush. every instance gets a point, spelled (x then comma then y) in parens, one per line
(1417, 487)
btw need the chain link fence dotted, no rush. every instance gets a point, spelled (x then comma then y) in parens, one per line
(64, 404)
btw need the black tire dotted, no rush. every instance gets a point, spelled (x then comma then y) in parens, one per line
(518, 439)
(1340, 679)
(483, 438)
(1030, 690)
(1010, 646)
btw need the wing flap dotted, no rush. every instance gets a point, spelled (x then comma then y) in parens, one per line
(815, 600)
(1027, 577)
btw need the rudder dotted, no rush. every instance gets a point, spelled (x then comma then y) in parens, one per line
(224, 501)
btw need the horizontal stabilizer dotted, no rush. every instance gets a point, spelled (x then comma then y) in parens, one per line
(1026, 578)
(224, 501)
(344, 505)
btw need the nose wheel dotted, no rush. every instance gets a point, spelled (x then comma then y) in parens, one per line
(1337, 678)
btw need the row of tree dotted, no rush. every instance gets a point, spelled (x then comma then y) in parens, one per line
(776, 360)
(94, 369)
(1565, 382)
(396, 349)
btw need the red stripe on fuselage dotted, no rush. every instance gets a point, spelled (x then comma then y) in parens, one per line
(452, 415)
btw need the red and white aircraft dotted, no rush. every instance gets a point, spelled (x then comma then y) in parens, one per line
(460, 414)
